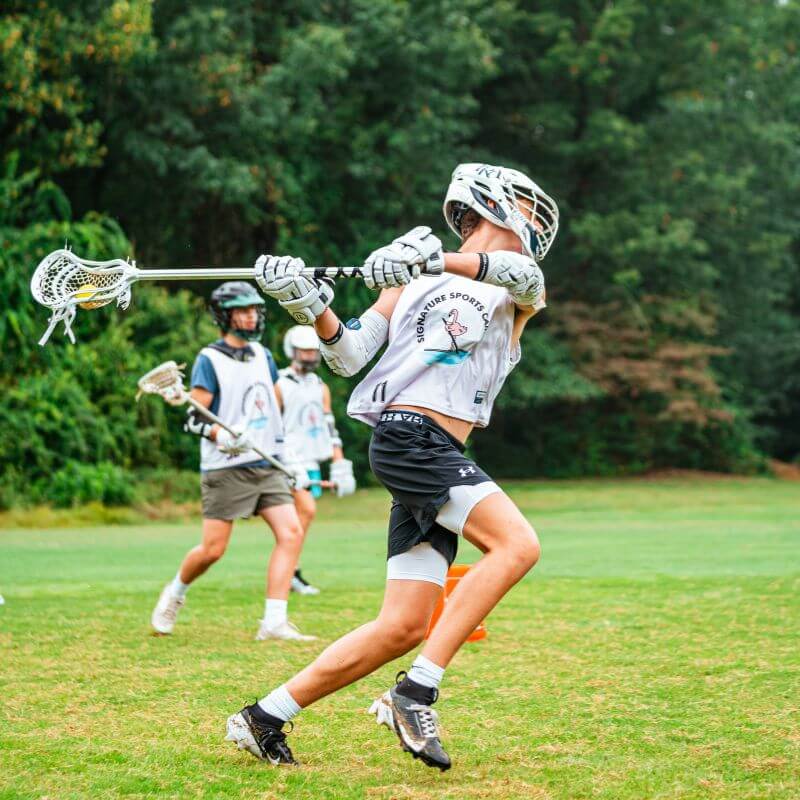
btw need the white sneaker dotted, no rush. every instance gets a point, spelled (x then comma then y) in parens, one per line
(302, 586)
(165, 614)
(2, 600)
(286, 630)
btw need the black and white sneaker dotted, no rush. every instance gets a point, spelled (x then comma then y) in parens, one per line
(301, 585)
(406, 710)
(265, 740)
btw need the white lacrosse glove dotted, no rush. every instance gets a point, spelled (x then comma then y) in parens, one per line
(299, 477)
(280, 277)
(422, 249)
(517, 273)
(233, 444)
(388, 267)
(341, 473)
(299, 474)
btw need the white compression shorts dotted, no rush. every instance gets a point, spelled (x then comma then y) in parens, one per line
(453, 514)
(422, 562)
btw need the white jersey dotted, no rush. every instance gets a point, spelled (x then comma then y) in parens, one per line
(246, 401)
(449, 350)
(307, 433)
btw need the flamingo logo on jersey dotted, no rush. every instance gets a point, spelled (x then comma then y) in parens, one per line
(256, 405)
(449, 326)
(453, 354)
(311, 419)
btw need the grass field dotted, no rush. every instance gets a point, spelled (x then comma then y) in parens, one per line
(653, 653)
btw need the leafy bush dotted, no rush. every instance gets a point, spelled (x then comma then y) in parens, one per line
(77, 484)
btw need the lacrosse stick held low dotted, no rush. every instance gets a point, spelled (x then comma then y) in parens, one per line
(166, 380)
(63, 281)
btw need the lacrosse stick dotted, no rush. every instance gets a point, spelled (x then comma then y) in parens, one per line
(167, 380)
(63, 281)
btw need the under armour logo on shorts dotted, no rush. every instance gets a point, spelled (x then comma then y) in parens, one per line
(464, 471)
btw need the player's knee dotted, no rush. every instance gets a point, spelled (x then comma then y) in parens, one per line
(521, 547)
(304, 503)
(307, 514)
(526, 547)
(213, 551)
(404, 634)
(292, 535)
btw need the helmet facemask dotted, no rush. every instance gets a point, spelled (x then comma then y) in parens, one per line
(225, 299)
(499, 194)
(307, 364)
(254, 334)
(302, 339)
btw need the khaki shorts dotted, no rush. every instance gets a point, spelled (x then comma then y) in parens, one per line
(240, 492)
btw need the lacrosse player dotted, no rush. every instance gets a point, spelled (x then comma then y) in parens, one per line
(453, 337)
(310, 429)
(234, 377)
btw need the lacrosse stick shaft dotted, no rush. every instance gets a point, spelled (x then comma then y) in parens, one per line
(236, 273)
(214, 418)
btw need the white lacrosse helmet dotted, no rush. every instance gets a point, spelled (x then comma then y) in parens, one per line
(474, 185)
(300, 337)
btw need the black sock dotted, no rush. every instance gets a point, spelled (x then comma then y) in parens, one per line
(263, 718)
(416, 691)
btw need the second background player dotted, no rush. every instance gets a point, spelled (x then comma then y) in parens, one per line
(310, 428)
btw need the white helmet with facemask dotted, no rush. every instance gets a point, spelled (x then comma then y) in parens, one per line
(302, 337)
(496, 194)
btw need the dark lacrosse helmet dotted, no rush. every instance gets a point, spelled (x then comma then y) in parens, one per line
(232, 295)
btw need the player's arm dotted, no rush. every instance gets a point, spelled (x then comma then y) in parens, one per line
(199, 424)
(330, 421)
(419, 252)
(204, 389)
(341, 470)
(519, 274)
(278, 396)
(345, 349)
(348, 348)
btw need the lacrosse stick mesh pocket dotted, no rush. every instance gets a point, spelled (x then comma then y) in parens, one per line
(63, 281)
(166, 380)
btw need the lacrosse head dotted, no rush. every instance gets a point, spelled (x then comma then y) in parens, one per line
(63, 281)
(167, 380)
(497, 193)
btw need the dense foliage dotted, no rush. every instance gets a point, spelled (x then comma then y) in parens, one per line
(210, 132)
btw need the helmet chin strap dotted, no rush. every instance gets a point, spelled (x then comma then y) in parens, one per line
(248, 336)
(306, 366)
(252, 335)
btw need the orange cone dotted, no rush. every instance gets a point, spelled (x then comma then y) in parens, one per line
(454, 575)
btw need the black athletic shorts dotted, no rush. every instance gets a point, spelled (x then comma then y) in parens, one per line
(418, 461)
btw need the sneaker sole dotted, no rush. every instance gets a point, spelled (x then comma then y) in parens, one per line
(382, 709)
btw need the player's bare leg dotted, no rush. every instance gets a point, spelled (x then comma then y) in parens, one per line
(215, 537)
(289, 536)
(288, 543)
(398, 628)
(306, 508)
(510, 547)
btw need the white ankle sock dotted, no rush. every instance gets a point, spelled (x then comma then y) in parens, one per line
(424, 672)
(280, 704)
(179, 588)
(274, 612)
